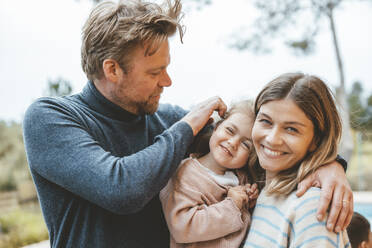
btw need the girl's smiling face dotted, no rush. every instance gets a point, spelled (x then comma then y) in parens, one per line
(231, 143)
(282, 135)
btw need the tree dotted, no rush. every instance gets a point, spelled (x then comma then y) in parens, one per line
(366, 119)
(58, 87)
(298, 23)
(357, 110)
(303, 19)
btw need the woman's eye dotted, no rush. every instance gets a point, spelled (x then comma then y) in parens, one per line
(292, 129)
(265, 121)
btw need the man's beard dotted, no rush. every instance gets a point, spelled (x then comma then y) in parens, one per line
(147, 107)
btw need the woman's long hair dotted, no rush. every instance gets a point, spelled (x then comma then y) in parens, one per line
(315, 99)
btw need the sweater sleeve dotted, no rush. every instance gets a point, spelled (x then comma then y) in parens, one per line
(308, 231)
(191, 220)
(61, 150)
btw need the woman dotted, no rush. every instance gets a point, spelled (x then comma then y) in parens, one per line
(297, 129)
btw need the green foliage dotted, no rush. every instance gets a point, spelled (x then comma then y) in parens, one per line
(359, 169)
(360, 109)
(13, 164)
(7, 181)
(22, 227)
(58, 87)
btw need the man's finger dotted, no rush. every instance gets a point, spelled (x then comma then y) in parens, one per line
(336, 207)
(349, 216)
(304, 185)
(348, 211)
(221, 107)
(325, 200)
(346, 205)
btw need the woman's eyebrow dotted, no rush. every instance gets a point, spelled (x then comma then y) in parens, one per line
(265, 115)
(287, 122)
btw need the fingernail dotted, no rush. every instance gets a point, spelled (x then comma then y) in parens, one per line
(330, 226)
(338, 229)
(320, 217)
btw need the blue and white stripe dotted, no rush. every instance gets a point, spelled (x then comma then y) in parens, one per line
(289, 221)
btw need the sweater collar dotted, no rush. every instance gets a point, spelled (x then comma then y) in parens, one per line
(101, 104)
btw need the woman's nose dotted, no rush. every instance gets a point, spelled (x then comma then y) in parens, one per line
(274, 137)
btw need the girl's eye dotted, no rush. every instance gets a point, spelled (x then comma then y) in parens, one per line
(155, 73)
(247, 144)
(229, 130)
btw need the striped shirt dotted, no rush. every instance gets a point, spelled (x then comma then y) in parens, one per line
(289, 221)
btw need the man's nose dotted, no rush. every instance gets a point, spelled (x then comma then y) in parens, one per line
(165, 80)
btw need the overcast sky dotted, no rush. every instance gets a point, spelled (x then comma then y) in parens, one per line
(40, 40)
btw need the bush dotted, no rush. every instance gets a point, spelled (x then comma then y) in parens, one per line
(22, 227)
(7, 182)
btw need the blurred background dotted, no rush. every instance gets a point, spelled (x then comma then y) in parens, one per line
(231, 49)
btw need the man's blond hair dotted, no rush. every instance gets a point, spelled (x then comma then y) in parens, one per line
(115, 30)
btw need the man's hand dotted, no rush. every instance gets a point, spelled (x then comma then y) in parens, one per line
(199, 116)
(239, 195)
(331, 178)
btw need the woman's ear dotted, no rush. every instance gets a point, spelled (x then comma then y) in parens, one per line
(312, 146)
(363, 245)
(111, 70)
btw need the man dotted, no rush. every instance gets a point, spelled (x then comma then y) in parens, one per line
(99, 158)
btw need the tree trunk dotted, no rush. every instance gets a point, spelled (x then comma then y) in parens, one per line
(346, 144)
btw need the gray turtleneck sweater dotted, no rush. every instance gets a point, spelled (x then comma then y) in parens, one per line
(98, 169)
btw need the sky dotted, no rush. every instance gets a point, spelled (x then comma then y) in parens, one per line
(40, 40)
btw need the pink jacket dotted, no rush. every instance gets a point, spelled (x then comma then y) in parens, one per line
(197, 211)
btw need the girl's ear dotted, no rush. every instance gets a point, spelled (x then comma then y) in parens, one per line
(363, 244)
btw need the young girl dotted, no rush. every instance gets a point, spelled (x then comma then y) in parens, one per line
(206, 202)
(297, 129)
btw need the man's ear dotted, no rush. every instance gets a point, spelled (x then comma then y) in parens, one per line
(111, 70)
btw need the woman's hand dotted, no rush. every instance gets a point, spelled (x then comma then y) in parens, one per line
(252, 192)
(336, 191)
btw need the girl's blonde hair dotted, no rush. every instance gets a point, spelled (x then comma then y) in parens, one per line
(315, 99)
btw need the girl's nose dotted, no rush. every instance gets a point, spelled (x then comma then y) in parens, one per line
(234, 142)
